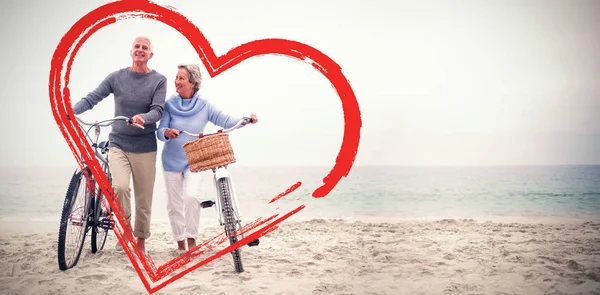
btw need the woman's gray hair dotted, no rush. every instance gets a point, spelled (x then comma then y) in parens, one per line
(194, 75)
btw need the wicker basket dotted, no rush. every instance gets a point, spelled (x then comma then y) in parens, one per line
(209, 152)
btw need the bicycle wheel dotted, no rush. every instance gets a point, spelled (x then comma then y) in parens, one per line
(73, 221)
(100, 226)
(230, 221)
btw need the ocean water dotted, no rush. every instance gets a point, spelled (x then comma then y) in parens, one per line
(37, 193)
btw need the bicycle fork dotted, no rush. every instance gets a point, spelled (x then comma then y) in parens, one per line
(221, 174)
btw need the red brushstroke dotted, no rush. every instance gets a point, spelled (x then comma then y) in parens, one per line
(110, 13)
(287, 191)
(259, 233)
(207, 245)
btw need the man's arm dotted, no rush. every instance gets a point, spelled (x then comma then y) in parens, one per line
(93, 98)
(157, 105)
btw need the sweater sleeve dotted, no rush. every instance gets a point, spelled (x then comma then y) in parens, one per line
(93, 98)
(163, 126)
(157, 105)
(219, 118)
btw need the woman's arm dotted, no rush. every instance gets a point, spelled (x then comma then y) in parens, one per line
(219, 118)
(163, 126)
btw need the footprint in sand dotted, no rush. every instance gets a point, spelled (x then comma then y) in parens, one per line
(573, 265)
(318, 257)
(449, 256)
(294, 245)
(294, 273)
(528, 276)
(426, 272)
(551, 259)
(12, 270)
(195, 289)
(594, 275)
(394, 242)
(94, 277)
(576, 282)
(460, 288)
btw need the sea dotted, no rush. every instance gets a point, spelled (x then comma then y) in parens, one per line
(367, 192)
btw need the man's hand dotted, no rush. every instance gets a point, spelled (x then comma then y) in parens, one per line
(171, 133)
(137, 119)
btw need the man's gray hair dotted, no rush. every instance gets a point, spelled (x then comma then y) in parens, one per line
(145, 38)
(194, 75)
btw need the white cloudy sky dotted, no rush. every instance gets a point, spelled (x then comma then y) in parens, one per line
(438, 82)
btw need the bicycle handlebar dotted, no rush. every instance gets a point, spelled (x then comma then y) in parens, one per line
(236, 126)
(108, 122)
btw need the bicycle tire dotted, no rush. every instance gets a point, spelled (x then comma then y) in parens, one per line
(70, 199)
(99, 234)
(230, 222)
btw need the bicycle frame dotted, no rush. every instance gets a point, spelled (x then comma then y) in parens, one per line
(103, 147)
(93, 216)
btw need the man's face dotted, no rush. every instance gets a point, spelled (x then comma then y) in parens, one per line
(140, 52)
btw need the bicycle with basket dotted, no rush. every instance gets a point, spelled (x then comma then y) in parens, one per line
(214, 152)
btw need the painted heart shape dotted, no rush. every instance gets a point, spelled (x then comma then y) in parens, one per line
(60, 101)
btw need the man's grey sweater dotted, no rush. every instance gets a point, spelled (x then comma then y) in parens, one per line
(134, 93)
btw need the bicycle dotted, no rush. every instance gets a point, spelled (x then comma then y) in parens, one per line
(90, 215)
(226, 200)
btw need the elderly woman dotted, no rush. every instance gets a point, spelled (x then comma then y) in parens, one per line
(185, 110)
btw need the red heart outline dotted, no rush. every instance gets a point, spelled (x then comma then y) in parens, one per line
(110, 13)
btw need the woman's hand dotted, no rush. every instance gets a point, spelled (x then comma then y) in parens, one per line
(253, 118)
(171, 133)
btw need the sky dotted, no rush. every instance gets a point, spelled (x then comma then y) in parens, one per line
(437, 82)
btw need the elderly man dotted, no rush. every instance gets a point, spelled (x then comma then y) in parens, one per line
(139, 93)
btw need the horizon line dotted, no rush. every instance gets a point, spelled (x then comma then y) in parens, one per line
(353, 166)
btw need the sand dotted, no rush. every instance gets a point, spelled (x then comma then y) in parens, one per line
(335, 257)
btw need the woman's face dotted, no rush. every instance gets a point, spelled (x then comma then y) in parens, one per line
(182, 83)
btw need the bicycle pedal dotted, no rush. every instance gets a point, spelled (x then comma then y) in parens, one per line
(106, 223)
(254, 243)
(207, 204)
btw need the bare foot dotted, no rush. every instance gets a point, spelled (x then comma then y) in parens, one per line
(191, 243)
(181, 245)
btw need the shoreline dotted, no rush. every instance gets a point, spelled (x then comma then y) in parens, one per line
(26, 226)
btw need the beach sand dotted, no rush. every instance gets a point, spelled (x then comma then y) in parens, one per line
(334, 257)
